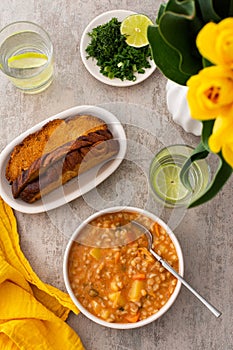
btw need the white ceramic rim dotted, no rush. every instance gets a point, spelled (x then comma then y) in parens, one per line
(90, 64)
(124, 325)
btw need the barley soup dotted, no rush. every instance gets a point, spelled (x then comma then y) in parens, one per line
(112, 273)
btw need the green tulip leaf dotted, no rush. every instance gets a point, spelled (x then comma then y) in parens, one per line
(199, 152)
(174, 51)
(161, 11)
(222, 174)
(177, 28)
(186, 7)
(208, 11)
(230, 9)
(222, 9)
(206, 63)
(166, 58)
(179, 22)
(177, 32)
(207, 129)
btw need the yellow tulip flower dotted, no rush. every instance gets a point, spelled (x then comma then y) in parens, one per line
(222, 138)
(210, 93)
(215, 42)
(227, 151)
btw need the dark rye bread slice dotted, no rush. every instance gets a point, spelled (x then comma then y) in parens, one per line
(52, 135)
(75, 163)
(41, 165)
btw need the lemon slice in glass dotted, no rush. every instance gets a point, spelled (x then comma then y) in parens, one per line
(27, 60)
(167, 184)
(134, 27)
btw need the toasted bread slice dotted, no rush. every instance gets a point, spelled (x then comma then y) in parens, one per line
(82, 145)
(65, 169)
(29, 150)
(51, 136)
(61, 150)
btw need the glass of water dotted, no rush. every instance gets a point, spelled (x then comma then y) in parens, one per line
(164, 176)
(26, 56)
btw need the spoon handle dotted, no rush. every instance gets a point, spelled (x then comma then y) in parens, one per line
(186, 284)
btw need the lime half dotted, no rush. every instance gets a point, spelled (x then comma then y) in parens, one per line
(134, 27)
(166, 183)
(27, 60)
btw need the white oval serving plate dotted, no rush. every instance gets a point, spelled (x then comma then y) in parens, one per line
(90, 63)
(79, 185)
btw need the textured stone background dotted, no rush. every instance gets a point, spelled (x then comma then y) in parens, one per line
(205, 233)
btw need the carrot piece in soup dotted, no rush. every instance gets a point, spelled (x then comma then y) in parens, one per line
(117, 257)
(157, 229)
(139, 276)
(132, 318)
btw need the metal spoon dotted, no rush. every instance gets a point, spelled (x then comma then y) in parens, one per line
(173, 272)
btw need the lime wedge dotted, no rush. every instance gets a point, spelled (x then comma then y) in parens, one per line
(167, 184)
(134, 27)
(27, 60)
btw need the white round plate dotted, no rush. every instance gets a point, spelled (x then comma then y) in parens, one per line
(79, 185)
(90, 63)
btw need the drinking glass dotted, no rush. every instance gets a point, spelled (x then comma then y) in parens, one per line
(164, 176)
(26, 56)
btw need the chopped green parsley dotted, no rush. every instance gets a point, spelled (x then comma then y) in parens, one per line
(114, 56)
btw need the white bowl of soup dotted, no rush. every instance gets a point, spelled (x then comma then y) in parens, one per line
(111, 276)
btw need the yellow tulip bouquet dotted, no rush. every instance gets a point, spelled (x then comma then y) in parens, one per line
(192, 44)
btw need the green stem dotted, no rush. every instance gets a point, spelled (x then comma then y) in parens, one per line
(200, 152)
(222, 174)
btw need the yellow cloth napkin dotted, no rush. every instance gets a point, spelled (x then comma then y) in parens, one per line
(32, 313)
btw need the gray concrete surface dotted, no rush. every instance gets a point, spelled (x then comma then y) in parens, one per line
(205, 233)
